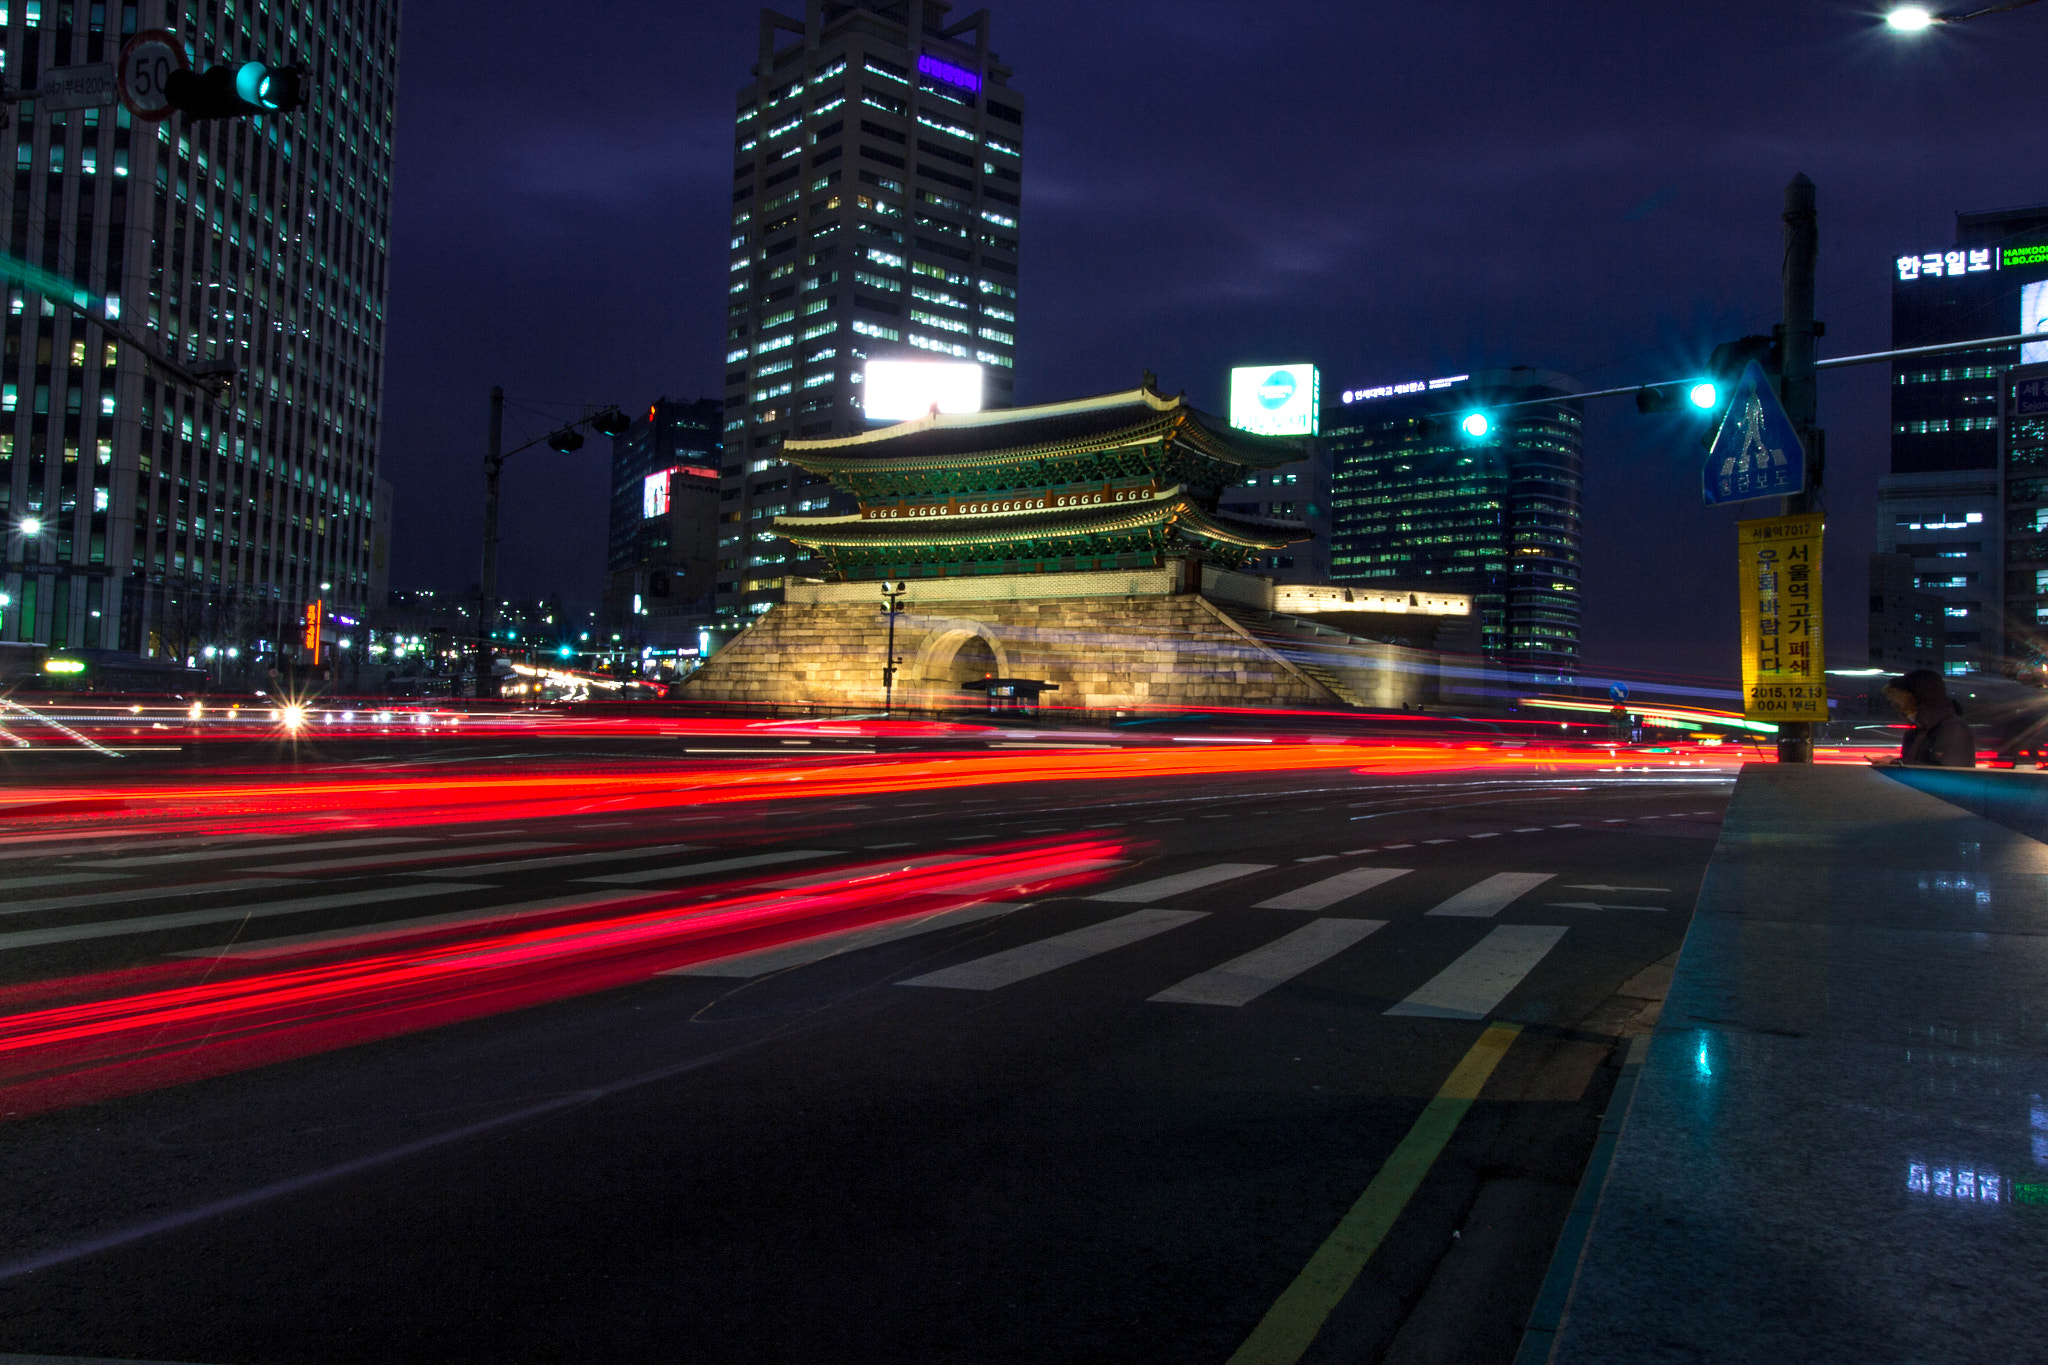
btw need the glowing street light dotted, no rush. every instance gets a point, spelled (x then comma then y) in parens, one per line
(1476, 424)
(1918, 18)
(31, 526)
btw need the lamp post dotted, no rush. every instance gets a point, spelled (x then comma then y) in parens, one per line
(1918, 18)
(892, 593)
(606, 422)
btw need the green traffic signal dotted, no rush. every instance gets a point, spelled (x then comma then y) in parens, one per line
(1475, 425)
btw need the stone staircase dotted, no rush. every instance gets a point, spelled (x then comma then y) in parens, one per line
(1357, 671)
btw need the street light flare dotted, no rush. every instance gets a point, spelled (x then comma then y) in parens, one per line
(1910, 19)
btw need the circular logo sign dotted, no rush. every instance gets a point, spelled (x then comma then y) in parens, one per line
(143, 72)
(1277, 390)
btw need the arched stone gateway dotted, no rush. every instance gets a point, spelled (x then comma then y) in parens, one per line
(955, 652)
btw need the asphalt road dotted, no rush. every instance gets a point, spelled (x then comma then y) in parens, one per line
(932, 1117)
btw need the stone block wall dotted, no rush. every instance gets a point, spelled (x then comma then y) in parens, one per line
(1107, 654)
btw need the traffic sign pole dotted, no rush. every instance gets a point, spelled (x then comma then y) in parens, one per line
(1796, 389)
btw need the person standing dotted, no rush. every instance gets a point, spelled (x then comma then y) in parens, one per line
(1939, 738)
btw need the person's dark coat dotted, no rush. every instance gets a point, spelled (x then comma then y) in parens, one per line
(1939, 738)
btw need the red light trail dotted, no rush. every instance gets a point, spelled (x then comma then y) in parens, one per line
(82, 1039)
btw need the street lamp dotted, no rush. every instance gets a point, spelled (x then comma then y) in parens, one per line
(31, 526)
(1918, 18)
(892, 593)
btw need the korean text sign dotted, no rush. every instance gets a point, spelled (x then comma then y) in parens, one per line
(1784, 668)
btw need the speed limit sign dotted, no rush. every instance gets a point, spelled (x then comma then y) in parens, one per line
(144, 70)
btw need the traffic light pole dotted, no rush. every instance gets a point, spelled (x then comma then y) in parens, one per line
(486, 612)
(1796, 388)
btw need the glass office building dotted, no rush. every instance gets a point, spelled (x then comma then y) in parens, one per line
(1420, 501)
(142, 514)
(876, 198)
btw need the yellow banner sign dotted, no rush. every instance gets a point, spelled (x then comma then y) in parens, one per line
(1784, 669)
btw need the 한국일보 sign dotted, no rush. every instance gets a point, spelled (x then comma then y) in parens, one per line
(1784, 669)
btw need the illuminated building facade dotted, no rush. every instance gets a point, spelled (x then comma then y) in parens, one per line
(876, 198)
(662, 548)
(1417, 501)
(2023, 429)
(1124, 481)
(1943, 505)
(166, 520)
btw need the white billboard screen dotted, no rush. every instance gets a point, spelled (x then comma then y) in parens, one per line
(654, 494)
(896, 390)
(2034, 318)
(1276, 400)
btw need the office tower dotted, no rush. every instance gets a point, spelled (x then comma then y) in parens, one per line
(1942, 505)
(660, 560)
(1294, 494)
(1420, 501)
(165, 518)
(1906, 624)
(2023, 451)
(876, 188)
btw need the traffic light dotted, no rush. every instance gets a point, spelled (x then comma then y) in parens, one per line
(1696, 396)
(1726, 365)
(567, 440)
(1475, 425)
(1466, 427)
(237, 89)
(611, 422)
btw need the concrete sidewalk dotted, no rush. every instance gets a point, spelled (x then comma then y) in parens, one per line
(1837, 1149)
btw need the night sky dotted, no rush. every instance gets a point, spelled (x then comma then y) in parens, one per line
(1394, 191)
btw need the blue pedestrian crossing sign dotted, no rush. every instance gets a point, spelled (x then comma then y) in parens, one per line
(1756, 453)
(1619, 691)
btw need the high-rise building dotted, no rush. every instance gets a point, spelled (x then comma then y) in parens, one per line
(876, 191)
(1420, 501)
(1942, 504)
(1294, 494)
(2023, 431)
(164, 517)
(661, 558)
(1906, 624)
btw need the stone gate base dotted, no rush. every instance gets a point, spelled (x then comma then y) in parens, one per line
(1112, 642)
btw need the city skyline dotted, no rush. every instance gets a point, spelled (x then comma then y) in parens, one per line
(1617, 236)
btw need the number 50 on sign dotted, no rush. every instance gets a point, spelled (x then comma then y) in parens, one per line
(1784, 667)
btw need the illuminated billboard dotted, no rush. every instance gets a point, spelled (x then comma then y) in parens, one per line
(1276, 400)
(2034, 318)
(895, 390)
(654, 495)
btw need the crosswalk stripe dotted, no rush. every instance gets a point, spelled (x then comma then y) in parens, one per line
(486, 917)
(1244, 979)
(1487, 898)
(877, 869)
(669, 874)
(611, 855)
(216, 854)
(1161, 887)
(1049, 954)
(1327, 892)
(145, 924)
(766, 960)
(130, 893)
(425, 856)
(1484, 974)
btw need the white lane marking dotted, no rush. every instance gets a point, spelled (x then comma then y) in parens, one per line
(1438, 841)
(1595, 905)
(1244, 979)
(1485, 899)
(59, 879)
(873, 870)
(1318, 858)
(908, 843)
(1049, 954)
(669, 874)
(1327, 892)
(611, 855)
(765, 960)
(483, 918)
(1159, 888)
(1601, 886)
(133, 893)
(1494, 835)
(1483, 975)
(210, 854)
(146, 924)
(1394, 846)
(1532, 829)
(381, 860)
(99, 843)
(1569, 824)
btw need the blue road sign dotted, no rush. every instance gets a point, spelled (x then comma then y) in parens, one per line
(1756, 453)
(1619, 691)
